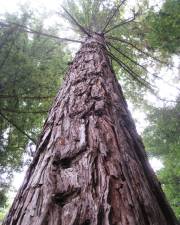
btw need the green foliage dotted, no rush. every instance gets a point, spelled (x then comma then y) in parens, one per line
(3, 198)
(162, 137)
(91, 14)
(162, 140)
(163, 27)
(31, 70)
(4, 208)
(2, 215)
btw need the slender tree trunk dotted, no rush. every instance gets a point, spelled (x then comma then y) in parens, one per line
(90, 166)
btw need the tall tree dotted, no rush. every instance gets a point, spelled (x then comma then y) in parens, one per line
(162, 140)
(31, 70)
(90, 166)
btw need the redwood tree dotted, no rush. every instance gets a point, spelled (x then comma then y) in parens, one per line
(90, 166)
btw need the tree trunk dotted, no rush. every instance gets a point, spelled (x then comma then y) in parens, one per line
(90, 166)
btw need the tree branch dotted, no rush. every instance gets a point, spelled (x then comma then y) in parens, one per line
(138, 49)
(126, 56)
(26, 97)
(21, 111)
(76, 23)
(136, 63)
(139, 79)
(134, 75)
(28, 30)
(111, 17)
(17, 127)
(121, 24)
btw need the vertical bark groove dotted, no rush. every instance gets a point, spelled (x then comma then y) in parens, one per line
(90, 166)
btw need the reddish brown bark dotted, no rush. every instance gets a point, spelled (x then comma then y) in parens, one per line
(90, 166)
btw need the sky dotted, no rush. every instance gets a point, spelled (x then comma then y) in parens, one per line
(12, 5)
(52, 7)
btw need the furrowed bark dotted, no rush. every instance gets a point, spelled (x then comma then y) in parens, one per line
(90, 166)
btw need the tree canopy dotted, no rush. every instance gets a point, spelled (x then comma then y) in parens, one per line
(162, 140)
(163, 28)
(31, 70)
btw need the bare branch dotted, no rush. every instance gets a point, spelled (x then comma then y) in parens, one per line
(126, 56)
(134, 46)
(164, 100)
(122, 23)
(28, 30)
(166, 82)
(109, 49)
(26, 97)
(136, 63)
(134, 75)
(76, 23)
(21, 111)
(17, 127)
(114, 13)
(139, 79)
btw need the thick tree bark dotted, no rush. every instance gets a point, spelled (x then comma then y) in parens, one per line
(90, 166)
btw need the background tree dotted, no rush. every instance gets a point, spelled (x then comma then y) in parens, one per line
(161, 137)
(31, 70)
(163, 28)
(162, 140)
